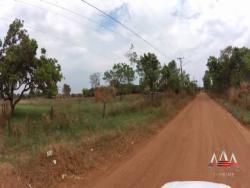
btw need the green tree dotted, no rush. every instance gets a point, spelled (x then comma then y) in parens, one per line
(228, 70)
(21, 70)
(165, 74)
(88, 92)
(120, 77)
(174, 77)
(66, 90)
(149, 69)
(214, 71)
(207, 82)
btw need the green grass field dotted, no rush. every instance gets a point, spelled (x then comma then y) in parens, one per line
(73, 118)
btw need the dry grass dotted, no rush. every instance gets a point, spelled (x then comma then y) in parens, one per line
(93, 150)
(81, 140)
(237, 106)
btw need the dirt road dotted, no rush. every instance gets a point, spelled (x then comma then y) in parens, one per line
(183, 149)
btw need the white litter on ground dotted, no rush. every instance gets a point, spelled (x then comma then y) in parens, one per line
(194, 184)
(49, 153)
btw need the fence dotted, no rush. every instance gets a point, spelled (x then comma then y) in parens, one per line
(5, 107)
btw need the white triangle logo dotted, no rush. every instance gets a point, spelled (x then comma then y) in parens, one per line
(223, 156)
(233, 159)
(214, 159)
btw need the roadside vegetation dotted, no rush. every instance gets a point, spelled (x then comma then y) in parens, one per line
(46, 134)
(228, 78)
(71, 119)
(82, 135)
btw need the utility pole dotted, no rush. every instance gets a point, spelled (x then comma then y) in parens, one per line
(180, 60)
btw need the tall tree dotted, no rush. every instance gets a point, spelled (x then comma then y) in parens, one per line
(165, 74)
(229, 69)
(174, 77)
(95, 79)
(132, 55)
(207, 82)
(215, 69)
(120, 77)
(148, 67)
(21, 70)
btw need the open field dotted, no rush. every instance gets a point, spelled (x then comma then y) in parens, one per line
(72, 119)
(78, 123)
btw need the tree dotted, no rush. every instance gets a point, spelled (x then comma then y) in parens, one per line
(21, 70)
(192, 87)
(207, 82)
(66, 90)
(174, 77)
(120, 77)
(229, 70)
(165, 74)
(88, 92)
(214, 71)
(148, 68)
(132, 55)
(95, 79)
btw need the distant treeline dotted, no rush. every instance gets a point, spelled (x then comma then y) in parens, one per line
(230, 69)
(153, 77)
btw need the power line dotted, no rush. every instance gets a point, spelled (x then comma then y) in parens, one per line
(93, 21)
(79, 15)
(60, 39)
(124, 26)
(76, 14)
(66, 17)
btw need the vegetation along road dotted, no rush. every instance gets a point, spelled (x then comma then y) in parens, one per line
(184, 148)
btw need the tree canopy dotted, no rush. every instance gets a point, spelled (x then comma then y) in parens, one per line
(120, 77)
(228, 70)
(152, 76)
(148, 68)
(20, 68)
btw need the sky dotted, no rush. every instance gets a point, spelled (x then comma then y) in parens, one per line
(84, 41)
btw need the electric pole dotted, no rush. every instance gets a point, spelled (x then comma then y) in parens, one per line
(180, 60)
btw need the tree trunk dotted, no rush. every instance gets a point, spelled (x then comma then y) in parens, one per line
(12, 106)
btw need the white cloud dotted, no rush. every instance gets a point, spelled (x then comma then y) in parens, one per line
(194, 29)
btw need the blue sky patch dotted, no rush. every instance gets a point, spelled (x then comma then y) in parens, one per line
(116, 13)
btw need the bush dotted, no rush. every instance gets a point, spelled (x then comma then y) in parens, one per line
(136, 89)
(88, 92)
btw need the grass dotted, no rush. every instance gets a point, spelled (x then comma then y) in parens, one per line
(78, 135)
(238, 111)
(75, 118)
(237, 107)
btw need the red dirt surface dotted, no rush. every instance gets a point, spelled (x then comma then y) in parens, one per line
(183, 150)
